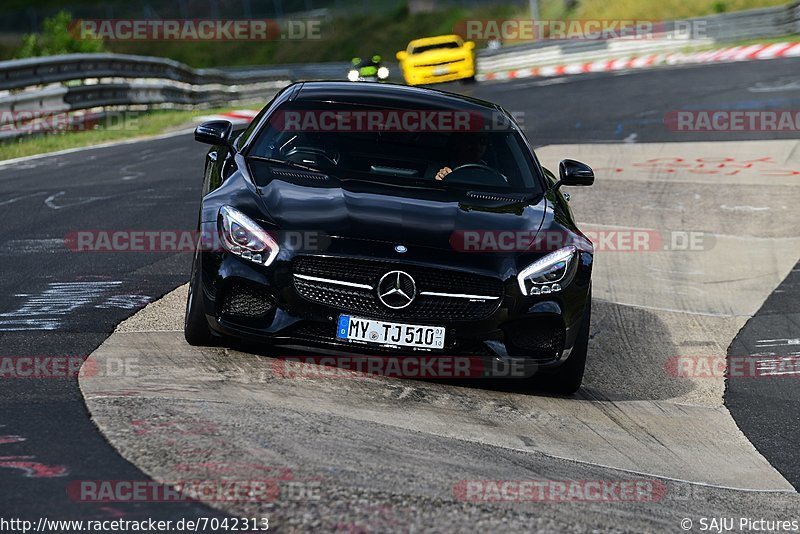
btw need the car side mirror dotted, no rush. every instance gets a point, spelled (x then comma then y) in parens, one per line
(401, 55)
(571, 172)
(214, 133)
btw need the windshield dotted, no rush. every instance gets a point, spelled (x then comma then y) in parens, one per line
(366, 63)
(400, 146)
(436, 46)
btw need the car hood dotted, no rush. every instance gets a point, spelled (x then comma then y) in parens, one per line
(423, 217)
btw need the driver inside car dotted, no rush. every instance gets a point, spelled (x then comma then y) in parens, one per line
(464, 148)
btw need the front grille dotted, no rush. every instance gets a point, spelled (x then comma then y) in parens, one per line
(245, 301)
(426, 308)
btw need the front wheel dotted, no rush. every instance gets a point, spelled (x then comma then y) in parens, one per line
(567, 379)
(195, 325)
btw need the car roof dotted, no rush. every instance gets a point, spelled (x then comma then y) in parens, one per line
(388, 95)
(434, 40)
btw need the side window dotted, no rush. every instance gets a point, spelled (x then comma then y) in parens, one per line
(253, 126)
(250, 130)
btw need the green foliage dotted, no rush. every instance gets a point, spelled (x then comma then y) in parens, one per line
(57, 38)
(343, 38)
(401, 11)
(648, 9)
(362, 34)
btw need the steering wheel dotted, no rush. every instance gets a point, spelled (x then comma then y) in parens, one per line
(478, 166)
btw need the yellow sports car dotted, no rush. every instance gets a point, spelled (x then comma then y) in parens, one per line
(437, 59)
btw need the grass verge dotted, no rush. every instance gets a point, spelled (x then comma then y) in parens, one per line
(791, 38)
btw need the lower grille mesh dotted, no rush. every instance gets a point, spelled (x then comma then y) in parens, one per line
(245, 301)
(541, 340)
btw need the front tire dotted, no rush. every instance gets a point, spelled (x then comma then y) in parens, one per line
(195, 325)
(567, 379)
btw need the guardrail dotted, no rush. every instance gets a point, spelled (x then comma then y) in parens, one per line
(22, 73)
(753, 23)
(83, 82)
(517, 57)
(674, 36)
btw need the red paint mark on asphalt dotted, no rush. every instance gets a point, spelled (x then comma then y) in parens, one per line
(32, 469)
(25, 463)
(720, 166)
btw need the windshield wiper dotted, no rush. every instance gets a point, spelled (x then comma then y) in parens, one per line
(291, 164)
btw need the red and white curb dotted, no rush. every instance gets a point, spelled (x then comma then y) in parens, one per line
(240, 116)
(724, 55)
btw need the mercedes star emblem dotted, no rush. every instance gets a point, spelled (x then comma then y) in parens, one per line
(397, 290)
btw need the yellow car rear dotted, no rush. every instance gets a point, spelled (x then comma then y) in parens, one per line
(437, 59)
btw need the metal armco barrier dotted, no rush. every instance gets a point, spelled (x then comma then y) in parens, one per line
(77, 82)
(750, 24)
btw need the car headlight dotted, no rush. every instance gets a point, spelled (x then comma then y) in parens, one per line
(550, 273)
(383, 73)
(242, 236)
(352, 75)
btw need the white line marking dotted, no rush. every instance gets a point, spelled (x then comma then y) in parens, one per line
(16, 199)
(46, 310)
(744, 208)
(785, 342)
(50, 201)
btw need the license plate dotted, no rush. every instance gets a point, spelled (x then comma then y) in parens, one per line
(385, 333)
(439, 71)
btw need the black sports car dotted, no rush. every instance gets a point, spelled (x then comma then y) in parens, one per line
(368, 218)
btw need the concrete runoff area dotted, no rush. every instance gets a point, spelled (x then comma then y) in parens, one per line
(688, 195)
(406, 444)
